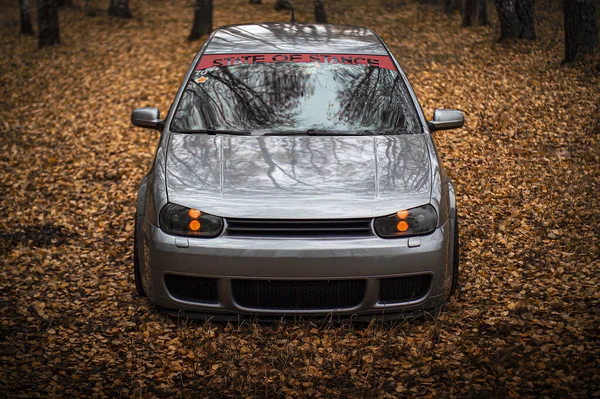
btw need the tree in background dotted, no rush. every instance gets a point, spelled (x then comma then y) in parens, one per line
(526, 14)
(86, 8)
(26, 27)
(450, 6)
(320, 15)
(202, 19)
(283, 5)
(119, 8)
(47, 16)
(65, 3)
(581, 31)
(475, 13)
(517, 19)
(255, 2)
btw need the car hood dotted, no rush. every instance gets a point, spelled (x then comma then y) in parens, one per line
(298, 177)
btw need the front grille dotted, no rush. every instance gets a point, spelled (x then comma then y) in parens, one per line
(304, 294)
(404, 289)
(299, 228)
(192, 289)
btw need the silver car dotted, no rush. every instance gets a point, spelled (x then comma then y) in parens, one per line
(296, 174)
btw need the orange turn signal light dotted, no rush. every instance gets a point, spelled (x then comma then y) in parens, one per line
(402, 214)
(402, 226)
(194, 225)
(194, 213)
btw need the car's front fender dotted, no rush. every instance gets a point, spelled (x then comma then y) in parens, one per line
(141, 197)
(452, 199)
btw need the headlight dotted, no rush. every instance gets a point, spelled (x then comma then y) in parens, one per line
(411, 222)
(179, 220)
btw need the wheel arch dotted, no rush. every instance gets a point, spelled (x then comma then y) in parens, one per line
(452, 200)
(140, 207)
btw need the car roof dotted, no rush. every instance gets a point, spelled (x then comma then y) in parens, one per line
(295, 38)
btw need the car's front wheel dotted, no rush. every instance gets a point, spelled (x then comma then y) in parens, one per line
(455, 257)
(137, 276)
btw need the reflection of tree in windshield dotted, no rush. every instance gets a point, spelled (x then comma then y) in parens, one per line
(259, 96)
(378, 100)
(271, 97)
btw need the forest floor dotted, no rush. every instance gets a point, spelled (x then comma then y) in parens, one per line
(526, 321)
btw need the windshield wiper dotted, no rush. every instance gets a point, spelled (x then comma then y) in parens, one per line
(288, 133)
(383, 132)
(214, 132)
(312, 132)
(325, 132)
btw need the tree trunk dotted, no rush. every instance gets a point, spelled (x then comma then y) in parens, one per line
(470, 12)
(509, 22)
(320, 15)
(581, 30)
(255, 2)
(47, 14)
(484, 19)
(283, 5)
(475, 13)
(119, 8)
(26, 27)
(517, 19)
(526, 15)
(65, 3)
(450, 6)
(202, 19)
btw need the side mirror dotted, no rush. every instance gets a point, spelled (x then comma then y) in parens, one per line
(148, 118)
(444, 119)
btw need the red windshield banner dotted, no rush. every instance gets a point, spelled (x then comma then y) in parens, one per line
(219, 60)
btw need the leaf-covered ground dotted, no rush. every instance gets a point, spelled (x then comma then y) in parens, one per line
(526, 321)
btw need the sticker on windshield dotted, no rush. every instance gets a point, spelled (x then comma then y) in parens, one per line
(220, 60)
(201, 79)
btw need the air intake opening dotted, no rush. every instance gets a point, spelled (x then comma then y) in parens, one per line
(192, 289)
(301, 294)
(404, 289)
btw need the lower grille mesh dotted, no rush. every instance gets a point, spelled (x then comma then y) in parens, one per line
(192, 289)
(404, 289)
(304, 294)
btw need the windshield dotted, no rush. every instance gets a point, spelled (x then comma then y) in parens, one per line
(296, 94)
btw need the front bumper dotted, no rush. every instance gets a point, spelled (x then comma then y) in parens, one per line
(226, 258)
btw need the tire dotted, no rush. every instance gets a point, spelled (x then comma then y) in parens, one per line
(137, 276)
(455, 258)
